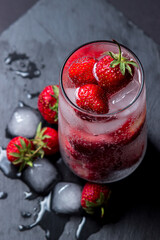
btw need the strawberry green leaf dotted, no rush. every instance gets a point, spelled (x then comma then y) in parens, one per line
(90, 204)
(89, 210)
(29, 146)
(122, 61)
(114, 63)
(42, 132)
(56, 117)
(39, 128)
(30, 164)
(129, 69)
(19, 147)
(14, 154)
(54, 107)
(113, 55)
(22, 167)
(122, 68)
(17, 161)
(56, 91)
(41, 153)
(101, 199)
(132, 63)
(45, 136)
(23, 144)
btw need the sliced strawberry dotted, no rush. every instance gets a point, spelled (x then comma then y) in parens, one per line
(130, 129)
(81, 71)
(92, 98)
(89, 144)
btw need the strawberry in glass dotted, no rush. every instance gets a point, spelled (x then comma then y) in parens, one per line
(102, 112)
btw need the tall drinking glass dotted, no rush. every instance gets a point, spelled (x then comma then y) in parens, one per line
(103, 148)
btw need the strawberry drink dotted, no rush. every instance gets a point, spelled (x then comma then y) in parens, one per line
(102, 112)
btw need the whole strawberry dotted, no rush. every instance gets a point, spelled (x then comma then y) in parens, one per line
(48, 103)
(81, 71)
(95, 196)
(92, 98)
(114, 71)
(20, 151)
(46, 141)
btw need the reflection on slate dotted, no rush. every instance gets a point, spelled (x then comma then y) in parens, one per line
(52, 29)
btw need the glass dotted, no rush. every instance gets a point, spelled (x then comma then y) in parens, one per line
(103, 148)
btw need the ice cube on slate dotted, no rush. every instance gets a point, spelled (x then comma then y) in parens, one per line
(24, 122)
(41, 176)
(66, 197)
(6, 166)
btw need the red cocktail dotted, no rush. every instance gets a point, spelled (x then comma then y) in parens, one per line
(102, 112)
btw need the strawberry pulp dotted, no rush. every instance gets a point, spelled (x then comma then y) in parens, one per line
(102, 146)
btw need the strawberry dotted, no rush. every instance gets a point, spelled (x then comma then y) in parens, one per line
(81, 71)
(130, 129)
(114, 71)
(48, 103)
(95, 196)
(92, 98)
(20, 151)
(46, 141)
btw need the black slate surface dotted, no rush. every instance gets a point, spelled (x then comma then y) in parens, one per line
(47, 33)
(144, 13)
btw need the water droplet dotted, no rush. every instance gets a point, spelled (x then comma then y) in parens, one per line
(32, 95)
(44, 206)
(30, 195)
(21, 104)
(80, 226)
(3, 195)
(23, 67)
(26, 214)
(47, 234)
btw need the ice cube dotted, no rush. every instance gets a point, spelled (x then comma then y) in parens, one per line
(67, 111)
(66, 198)
(41, 176)
(6, 166)
(24, 122)
(98, 128)
(71, 93)
(124, 97)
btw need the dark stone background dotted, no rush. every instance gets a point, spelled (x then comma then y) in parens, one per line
(47, 33)
(144, 13)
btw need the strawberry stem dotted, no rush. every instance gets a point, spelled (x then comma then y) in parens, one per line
(102, 212)
(120, 52)
(36, 151)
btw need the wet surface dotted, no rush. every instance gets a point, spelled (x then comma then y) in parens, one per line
(22, 66)
(39, 52)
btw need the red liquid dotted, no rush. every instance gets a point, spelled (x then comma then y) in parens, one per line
(103, 148)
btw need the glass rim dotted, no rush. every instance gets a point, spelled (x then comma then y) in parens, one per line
(110, 113)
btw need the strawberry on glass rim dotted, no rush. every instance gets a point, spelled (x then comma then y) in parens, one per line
(114, 71)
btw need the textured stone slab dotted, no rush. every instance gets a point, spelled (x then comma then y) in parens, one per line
(47, 33)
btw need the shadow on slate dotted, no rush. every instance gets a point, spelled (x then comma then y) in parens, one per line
(141, 187)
